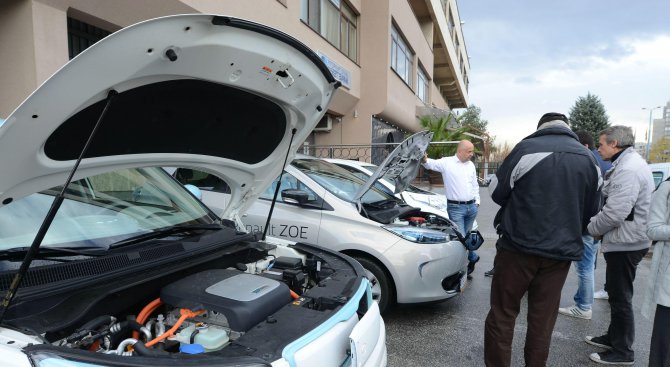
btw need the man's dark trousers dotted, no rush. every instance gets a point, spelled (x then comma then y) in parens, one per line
(516, 274)
(619, 277)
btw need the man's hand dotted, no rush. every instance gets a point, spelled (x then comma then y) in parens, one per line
(425, 158)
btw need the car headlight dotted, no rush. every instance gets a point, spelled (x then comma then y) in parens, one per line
(418, 235)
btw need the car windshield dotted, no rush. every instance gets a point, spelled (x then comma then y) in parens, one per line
(389, 180)
(339, 181)
(101, 210)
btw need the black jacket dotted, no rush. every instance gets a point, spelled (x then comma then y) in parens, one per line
(548, 189)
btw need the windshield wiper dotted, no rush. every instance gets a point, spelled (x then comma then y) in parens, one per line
(18, 253)
(166, 231)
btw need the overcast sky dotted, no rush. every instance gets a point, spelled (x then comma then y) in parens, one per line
(529, 57)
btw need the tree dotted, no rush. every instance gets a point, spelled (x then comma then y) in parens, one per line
(589, 114)
(660, 151)
(442, 130)
(472, 117)
(500, 152)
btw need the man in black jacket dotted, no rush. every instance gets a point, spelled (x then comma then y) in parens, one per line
(548, 189)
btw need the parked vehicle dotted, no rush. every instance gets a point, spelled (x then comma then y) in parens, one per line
(410, 255)
(412, 195)
(133, 269)
(660, 171)
(428, 201)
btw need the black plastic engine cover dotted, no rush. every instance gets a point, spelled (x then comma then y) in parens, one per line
(244, 299)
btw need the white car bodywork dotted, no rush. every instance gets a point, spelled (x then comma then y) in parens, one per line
(417, 269)
(412, 195)
(139, 70)
(401, 270)
(660, 171)
(428, 201)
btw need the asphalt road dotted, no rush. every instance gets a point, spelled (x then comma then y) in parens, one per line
(452, 333)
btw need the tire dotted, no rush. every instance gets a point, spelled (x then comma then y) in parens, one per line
(382, 289)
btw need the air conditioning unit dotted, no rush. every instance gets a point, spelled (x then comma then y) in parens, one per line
(325, 124)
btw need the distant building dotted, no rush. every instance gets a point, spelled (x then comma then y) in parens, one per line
(658, 130)
(641, 147)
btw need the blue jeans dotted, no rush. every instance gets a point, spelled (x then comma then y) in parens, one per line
(464, 216)
(585, 269)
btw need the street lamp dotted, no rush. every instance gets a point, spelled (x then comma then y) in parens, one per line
(651, 109)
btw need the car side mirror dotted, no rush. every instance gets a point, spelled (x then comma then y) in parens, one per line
(293, 196)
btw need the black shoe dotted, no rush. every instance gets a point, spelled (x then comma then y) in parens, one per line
(611, 359)
(599, 341)
(490, 272)
(471, 266)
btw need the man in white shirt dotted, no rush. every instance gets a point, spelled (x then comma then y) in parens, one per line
(461, 188)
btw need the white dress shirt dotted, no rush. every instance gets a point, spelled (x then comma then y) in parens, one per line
(460, 178)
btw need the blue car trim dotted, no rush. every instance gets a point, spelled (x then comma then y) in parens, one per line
(348, 310)
(347, 362)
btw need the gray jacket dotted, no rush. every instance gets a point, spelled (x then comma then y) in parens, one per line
(623, 219)
(658, 288)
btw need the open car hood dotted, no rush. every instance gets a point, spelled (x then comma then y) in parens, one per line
(400, 167)
(214, 93)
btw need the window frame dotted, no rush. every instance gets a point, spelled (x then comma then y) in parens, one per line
(422, 84)
(312, 14)
(399, 43)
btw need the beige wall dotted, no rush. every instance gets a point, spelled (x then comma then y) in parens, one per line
(36, 33)
(17, 54)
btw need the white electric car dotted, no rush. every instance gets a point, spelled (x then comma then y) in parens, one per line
(412, 195)
(411, 256)
(106, 260)
(429, 202)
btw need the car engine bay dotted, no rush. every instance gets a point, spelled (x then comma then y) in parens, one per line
(248, 299)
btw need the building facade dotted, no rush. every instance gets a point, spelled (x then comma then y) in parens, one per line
(397, 59)
(661, 126)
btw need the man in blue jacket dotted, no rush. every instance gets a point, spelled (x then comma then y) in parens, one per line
(585, 268)
(548, 188)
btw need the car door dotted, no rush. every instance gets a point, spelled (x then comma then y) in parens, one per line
(295, 222)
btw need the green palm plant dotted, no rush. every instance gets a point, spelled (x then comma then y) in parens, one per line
(440, 127)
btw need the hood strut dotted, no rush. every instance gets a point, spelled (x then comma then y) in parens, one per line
(274, 198)
(58, 200)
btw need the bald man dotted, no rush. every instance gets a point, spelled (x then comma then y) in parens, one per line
(461, 188)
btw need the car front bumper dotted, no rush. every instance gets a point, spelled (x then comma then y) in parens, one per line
(428, 272)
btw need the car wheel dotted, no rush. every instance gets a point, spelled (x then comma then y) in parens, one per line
(382, 290)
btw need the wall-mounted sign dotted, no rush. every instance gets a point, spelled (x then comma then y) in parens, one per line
(339, 72)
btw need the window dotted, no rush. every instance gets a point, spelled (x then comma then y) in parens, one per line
(658, 178)
(335, 21)
(401, 56)
(450, 22)
(288, 181)
(421, 85)
(81, 36)
(201, 180)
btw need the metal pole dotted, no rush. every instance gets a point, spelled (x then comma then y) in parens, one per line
(651, 109)
(649, 136)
